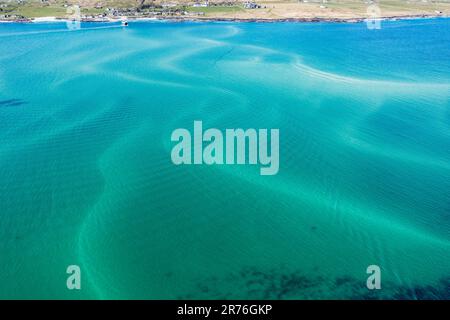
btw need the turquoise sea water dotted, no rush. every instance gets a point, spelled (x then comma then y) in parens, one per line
(86, 176)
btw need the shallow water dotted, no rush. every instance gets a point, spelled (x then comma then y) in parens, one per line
(86, 176)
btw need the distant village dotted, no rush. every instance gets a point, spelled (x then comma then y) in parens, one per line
(247, 10)
(142, 9)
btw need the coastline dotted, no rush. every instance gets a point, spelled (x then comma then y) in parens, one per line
(224, 19)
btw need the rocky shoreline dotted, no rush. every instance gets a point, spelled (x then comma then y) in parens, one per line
(300, 20)
(260, 20)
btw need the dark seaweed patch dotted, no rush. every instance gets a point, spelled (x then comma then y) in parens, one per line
(439, 292)
(12, 103)
(253, 283)
(343, 280)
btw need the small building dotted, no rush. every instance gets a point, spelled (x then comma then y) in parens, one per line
(169, 4)
(198, 4)
(251, 5)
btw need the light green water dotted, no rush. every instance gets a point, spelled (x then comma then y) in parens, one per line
(86, 176)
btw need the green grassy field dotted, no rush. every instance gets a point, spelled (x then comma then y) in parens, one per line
(215, 9)
(47, 11)
(35, 12)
